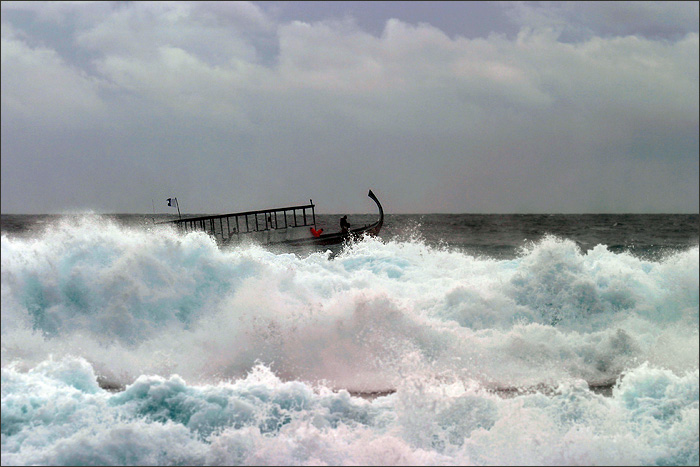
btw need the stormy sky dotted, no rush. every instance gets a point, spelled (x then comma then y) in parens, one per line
(464, 107)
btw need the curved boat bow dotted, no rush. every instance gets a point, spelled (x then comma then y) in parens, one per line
(339, 237)
(376, 227)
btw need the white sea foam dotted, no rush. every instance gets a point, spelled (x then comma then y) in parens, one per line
(56, 414)
(232, 356)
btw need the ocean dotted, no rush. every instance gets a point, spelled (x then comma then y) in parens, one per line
(447, 340)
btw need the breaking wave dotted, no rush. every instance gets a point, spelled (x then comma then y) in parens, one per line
(246, 356)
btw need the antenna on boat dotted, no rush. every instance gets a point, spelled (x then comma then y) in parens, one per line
(170, 203)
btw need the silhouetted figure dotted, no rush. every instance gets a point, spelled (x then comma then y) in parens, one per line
(344, 224)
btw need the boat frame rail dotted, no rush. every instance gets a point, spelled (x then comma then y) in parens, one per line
(225, 227)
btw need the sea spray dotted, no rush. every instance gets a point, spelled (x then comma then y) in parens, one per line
(171, 303)
(248, 356)
(50, 415)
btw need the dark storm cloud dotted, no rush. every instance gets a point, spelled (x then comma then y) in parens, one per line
(568, 107)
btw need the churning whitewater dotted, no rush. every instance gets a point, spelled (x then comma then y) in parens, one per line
(126, 345)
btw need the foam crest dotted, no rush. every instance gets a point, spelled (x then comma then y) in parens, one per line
(259, 419)
(137, 301)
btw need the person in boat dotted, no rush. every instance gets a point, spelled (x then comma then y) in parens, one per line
(344, 224)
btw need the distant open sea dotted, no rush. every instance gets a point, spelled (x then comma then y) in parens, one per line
(449, 339)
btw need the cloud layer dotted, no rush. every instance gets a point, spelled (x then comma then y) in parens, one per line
(588, 108)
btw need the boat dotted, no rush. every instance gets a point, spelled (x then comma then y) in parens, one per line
(290, 225)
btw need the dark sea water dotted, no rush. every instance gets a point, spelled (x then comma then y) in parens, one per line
(447, 340)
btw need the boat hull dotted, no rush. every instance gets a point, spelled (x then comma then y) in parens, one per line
(335, 238)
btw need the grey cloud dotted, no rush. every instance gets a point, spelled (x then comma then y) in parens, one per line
(181, 97)
(582, 20)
